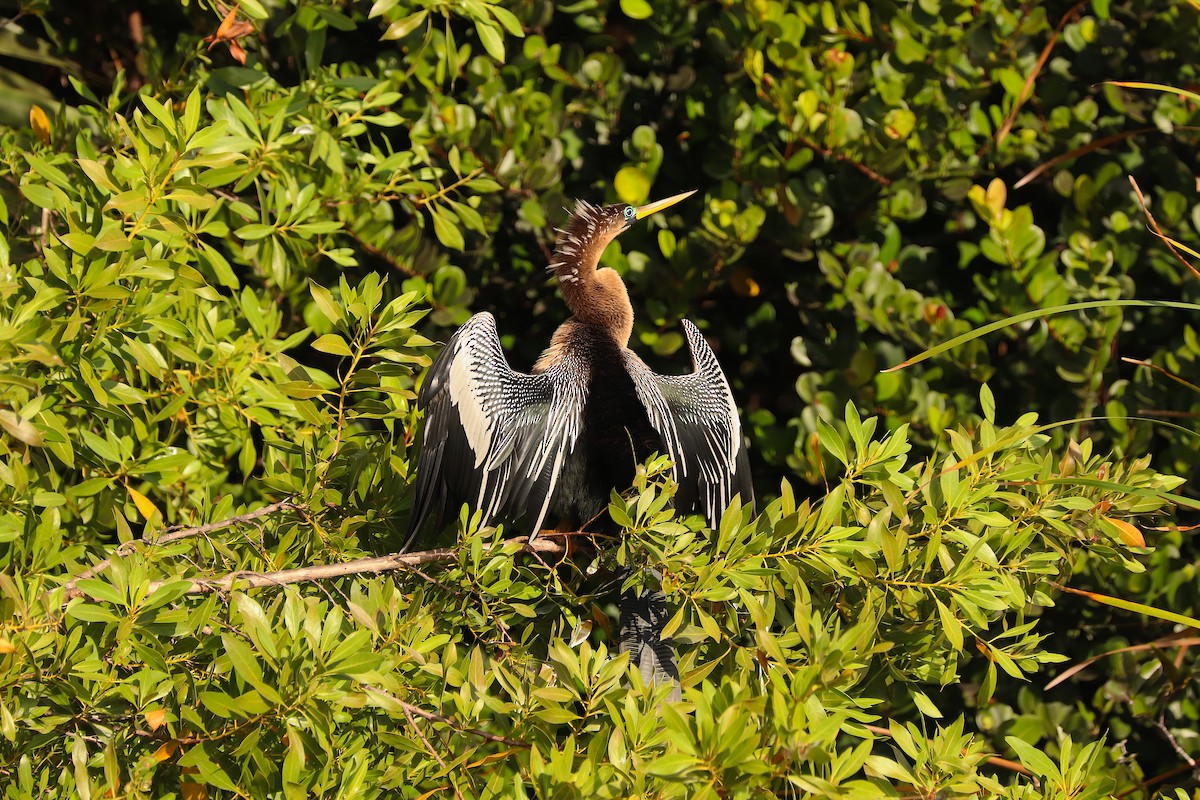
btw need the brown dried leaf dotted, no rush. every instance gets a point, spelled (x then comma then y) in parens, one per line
(155, 719)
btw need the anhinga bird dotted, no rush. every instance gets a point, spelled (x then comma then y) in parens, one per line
(550, 446)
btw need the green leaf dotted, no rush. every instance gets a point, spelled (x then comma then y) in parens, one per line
(447, 232)
(987, 403)
(616, 510)
(672, 765)
(325, 302)
(20, 429)
(925, 705)
(43, 196)
(404, 26)
(255, 231)
(333, 344)
(245, 664)
(96, 171)
(100, 590)
(832, 442)
(112, 240)
(208, 769)
(632, 185)
(87, 612)
(492, 40)
(160, 112)
(888, 768)
(1033, 758)
(951, 627)
(636, 9)
(301, 390)
(507, 19)
(167, 593)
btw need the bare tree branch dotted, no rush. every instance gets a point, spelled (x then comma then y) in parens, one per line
(174, 534)
(417, 711)
(408, 714)
(546, 543)
(1161, 724)
(1158, 231)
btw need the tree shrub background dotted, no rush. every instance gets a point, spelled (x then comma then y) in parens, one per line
(219, 281)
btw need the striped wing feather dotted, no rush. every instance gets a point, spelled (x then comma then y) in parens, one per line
(495, 439)
(698, 420)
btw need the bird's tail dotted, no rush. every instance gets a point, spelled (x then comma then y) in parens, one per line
(643, 616)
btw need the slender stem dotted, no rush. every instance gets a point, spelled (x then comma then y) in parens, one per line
(344, 392)
(416, 711)
(376, 565)
(174, 534)
(445, 190)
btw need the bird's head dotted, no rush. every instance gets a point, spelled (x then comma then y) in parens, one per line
(598, 296)
(590, 229)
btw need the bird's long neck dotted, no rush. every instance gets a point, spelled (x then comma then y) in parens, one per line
(595, 296)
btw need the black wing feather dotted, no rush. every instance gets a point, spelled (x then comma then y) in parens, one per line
(495, 439)
(696, 416)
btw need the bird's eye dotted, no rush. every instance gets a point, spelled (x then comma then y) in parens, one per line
(629, 212)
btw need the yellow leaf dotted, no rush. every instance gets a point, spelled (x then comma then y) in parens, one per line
(744, 283)
(40, 123)
(6, 646)
(155, 718)
(632, 185)
(997, 196)
(144, 505)
(193, 791)
(1130, 534)
(167, 750)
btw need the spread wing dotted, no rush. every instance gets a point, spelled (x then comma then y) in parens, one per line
(698, 421)
(495, 439)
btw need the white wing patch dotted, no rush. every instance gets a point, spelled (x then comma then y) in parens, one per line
(471, 412)
(495, 439)
(697, 418)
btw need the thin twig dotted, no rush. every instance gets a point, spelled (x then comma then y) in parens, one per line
(1079, 151)
(445, 190)
(1027, 88)
(45, 226)
(409, 708)
(1191, 387)
(174, 534)
(1146, 784)
(376, 565)
(1180, 640)
(827, 153)
(1161, 724)
(408, 714)
(1159, 231)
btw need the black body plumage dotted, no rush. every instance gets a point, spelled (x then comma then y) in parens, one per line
(546, 449)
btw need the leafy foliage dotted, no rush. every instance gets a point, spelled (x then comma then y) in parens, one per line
(223, 267)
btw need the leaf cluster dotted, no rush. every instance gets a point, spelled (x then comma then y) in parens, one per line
(219, 282)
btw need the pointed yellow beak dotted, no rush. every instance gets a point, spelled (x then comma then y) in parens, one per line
(641, 212)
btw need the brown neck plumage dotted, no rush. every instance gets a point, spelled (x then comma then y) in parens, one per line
(596, 297)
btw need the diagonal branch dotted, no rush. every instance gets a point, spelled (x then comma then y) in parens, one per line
(1161, 724)
(1027, 88)
(1158, 231)
(830, 153)
(174, 534)
(550, 543)
(411, 711)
